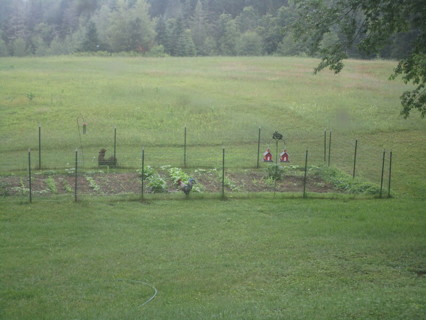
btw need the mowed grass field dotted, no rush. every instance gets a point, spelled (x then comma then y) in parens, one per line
(252, 258)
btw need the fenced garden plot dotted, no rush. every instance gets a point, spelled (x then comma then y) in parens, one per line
(154, 169)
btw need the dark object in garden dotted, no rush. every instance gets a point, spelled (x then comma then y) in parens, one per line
(267, 156)
(111, 161)
(277, 136)
(186, 187)
(284, 156)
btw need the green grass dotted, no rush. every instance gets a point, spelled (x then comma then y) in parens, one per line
(221, 101)
(209, 259)
(251, 257)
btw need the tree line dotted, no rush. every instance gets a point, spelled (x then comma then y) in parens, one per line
(166, 27)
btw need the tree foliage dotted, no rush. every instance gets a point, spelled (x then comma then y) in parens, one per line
(368, 27)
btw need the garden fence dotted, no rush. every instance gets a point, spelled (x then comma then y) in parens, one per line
(43, 172)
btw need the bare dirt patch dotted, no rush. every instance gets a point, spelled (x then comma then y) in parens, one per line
(209, 181)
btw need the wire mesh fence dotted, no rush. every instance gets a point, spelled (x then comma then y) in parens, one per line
(77, 174)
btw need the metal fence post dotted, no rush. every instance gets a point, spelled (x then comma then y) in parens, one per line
(115, 144)
(184, 148)
(39, 147)
(355, 153)
(329, 149)
(325, 145)
(143, 172)
(383, 171)
(223, 173)
(75, 175)
(390, 174)
(258, 148)
(29, 176)
(306, 174)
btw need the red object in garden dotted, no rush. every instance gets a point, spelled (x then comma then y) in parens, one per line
(284, 156)
(267, 156)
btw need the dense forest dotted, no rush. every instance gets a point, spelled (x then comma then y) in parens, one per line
(162, 27)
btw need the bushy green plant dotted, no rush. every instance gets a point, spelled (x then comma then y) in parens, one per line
(345, 182)
(147, 172)
(230, 184)
(22, 189)
(51, 184)
(156, 184)
(177, 174)
(275, 171)
(93, 184)
(68, 188)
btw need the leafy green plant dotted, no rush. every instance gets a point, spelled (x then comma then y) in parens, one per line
(230, 184)
(156, 184)
(270, 182)
(70, 171)
(93, 184)
(22, 189)
(68, 188)
(343, 181)
(177, 174)
(148, 171)
(51, 184)
(275, 171)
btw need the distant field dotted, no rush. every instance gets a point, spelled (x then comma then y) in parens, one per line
(249, 257)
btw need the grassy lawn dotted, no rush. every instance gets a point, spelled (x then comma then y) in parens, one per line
(250, 257)
(210, 259)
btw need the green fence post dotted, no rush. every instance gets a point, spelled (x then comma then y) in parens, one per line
(306, 175)
(383, 171)
(390, 174)
(355, 153)
(184, 148)
(75, 175)
(39, 147)
(223, 173)
(329, 149)
(143, 172)
(115, 143)
(29, 176)
(258, 148)
(325, 145)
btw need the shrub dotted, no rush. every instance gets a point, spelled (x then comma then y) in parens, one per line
(345, 182)
(275, 171)
(157, 184)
